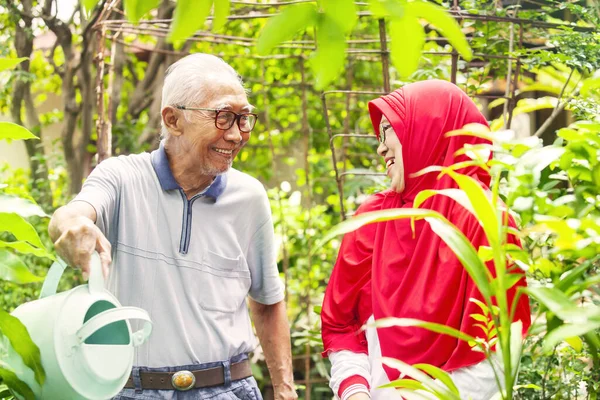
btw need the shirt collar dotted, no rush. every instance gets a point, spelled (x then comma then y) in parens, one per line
(161, 166)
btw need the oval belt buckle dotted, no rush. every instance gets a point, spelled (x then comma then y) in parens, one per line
(183, 380)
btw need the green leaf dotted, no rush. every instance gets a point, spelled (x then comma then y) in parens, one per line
(516, 344)
(589, 86)
(440, 375)
(10, 131)
(370, 217)
(557, 302)
(386, 8)
(136, 9)
(474, 129)
(329, 58)
(21, 342)
(285, 26)
(189, 16)
(13, 269)
(9, 63)
(21, 206)
(575, 342)
(88, 6)
(466, 253)
(221, 10)
(431, 326)
(414, 373)
(445, 23)
(26, 248)
(341, 12)
(404, 383)
(17, 385)
(566, 331)
(20, 228)
(481, 203)
(407, 40)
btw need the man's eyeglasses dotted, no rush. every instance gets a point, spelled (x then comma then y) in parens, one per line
(224, 119)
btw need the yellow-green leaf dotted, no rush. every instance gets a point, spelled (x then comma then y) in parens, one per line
(136, 9)
(575, 342)
(189, 17)
(21, 342)
(407, 40)
(13, 269)
(26, 248)
(445, 23)
(20, 228)
(342, 12)
(285, 26)
(10, 131)
(221, 10)
(329, 58)
(9, 63)
(17, 386)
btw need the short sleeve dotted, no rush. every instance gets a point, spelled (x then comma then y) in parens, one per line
(102, 190)
(266, 286)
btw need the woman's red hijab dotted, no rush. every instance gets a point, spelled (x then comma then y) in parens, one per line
(417, 275)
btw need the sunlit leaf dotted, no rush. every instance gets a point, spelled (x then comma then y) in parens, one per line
(589, 86)
(10, 131)
(341, 12)
(13, 269)
(431, 326)
(464, 251)
(557, 302)
(445, 23)
(404, 383)
(329, 58)
(438, 374)
(88, 6)
(568, 331)
(516, 344)
(420, 376)
(221, 10)
(356, 222)
(136, 9)
(26, 248)
(21, 342)
(386, 8)
(477, 130)
(21, 206)
(407, 40)
(17, 385)
(8, 63)
(20, 228)
(285, 26)
(189, 17)
(575, 342)
(481, 203)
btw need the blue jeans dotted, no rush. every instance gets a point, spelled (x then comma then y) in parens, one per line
(242, 389)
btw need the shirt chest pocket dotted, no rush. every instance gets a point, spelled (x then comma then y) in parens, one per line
(224, 282)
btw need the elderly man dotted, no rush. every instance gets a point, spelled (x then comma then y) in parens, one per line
(188, 238)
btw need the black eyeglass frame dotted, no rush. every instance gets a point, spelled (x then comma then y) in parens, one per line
(217, 111)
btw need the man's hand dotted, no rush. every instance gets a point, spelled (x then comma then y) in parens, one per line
(360, 396)
(76, 237)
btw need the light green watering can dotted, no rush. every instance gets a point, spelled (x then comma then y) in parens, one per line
(84, 336)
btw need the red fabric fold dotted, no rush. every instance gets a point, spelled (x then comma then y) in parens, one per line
(350, 381)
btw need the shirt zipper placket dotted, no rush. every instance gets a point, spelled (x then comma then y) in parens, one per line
(186, 226)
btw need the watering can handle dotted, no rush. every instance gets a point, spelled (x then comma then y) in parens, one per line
(95, 283)
(113, 315)
(52, 278)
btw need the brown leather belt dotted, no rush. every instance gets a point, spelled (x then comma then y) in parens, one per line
(185, 380)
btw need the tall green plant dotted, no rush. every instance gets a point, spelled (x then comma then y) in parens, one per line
(567, 225)
(23, 239)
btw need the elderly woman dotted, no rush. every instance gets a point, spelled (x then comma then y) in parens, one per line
(387, 270)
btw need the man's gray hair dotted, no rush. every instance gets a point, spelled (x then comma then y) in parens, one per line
(188, 81)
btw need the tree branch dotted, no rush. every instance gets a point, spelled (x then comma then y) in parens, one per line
(559, 106)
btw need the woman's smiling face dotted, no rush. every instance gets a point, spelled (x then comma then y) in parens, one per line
(390, 149)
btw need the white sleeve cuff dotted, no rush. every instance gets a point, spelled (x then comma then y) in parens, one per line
(345, 364)
(358, 388)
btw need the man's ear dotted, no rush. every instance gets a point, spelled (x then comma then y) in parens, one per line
(172, 120)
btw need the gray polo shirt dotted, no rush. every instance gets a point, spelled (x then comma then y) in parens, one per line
(189, 263)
